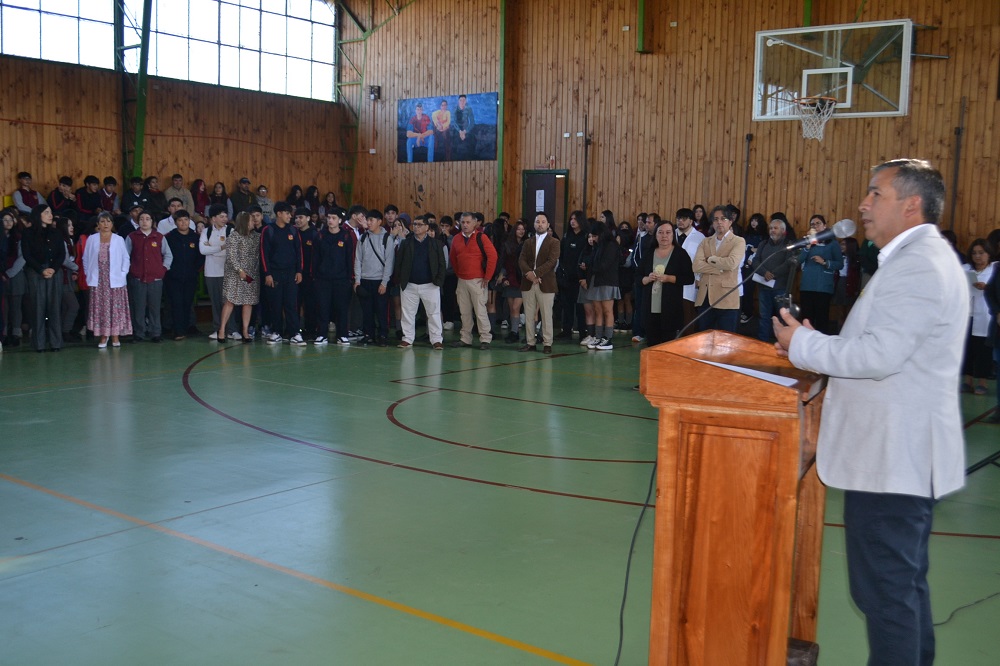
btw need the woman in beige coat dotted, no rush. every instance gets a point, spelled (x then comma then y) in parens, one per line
(717, 270)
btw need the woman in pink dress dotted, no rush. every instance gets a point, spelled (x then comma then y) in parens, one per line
(106, 264)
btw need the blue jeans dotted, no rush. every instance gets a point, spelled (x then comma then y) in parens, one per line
(412, 141)
(767, 308)
(887, 565)
(720, 320)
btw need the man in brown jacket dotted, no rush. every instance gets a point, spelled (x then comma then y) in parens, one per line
(538, 260)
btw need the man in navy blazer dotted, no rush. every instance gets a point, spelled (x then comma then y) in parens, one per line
(891, 430)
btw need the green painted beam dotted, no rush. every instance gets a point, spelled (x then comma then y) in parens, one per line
(640, 38)
(140, 107)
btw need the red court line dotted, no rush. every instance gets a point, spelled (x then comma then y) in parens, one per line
(191, 392)
(391, 415)
(407, 382)
(974, 421)
(964, 535)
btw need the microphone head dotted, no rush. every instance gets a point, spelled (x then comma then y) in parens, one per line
(845, 228)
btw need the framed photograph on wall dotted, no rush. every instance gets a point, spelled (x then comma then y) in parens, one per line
(449, 128)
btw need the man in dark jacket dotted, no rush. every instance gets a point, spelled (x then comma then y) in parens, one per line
(421, 268)
(771, 264)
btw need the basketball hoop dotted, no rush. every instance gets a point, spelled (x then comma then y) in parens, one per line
(814, 112)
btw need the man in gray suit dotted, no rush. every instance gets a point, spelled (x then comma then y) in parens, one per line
(891, 431)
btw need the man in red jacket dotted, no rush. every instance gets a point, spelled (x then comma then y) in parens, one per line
(474, 259)
(150, 259)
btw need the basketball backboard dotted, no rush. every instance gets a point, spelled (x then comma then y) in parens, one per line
(865, 66)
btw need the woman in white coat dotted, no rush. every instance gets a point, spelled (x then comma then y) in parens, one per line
(106, 264)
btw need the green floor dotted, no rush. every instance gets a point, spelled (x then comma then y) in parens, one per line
(176, 504)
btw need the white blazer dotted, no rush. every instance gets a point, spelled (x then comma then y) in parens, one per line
(119, 260)
(891, 419)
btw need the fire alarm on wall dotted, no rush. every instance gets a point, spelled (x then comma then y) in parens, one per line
(375, 92)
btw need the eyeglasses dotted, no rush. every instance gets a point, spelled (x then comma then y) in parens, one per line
(816, 223)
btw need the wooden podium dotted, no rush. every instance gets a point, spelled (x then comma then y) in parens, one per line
(739, 508)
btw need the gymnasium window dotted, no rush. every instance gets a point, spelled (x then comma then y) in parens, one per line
(279, 46)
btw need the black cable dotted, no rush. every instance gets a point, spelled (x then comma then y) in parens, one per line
(968, 605)
(742, 282)
(628, 565)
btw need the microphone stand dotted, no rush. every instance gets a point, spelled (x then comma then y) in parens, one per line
(711, 306)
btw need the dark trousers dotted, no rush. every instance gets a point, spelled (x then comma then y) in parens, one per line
(46, 320)
(638, 327)
(816, 308)
(374, 308)
(718, 319)
(282, 299)
(767, 308)
(307, 304)
(887, 565)
(180, 289)
(333, 301)
(571, 313)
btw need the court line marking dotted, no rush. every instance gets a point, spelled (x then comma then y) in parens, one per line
(309, 578)
(390, 414)
(186, 380)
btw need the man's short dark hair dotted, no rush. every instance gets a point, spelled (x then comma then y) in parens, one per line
(357, 209)
(282, 207)
(66, 180)
(338, 211)
(23, 174)
(135, 179)
(918, 178)
(390, 207)
(91, 180)
(254, 208)
(217, 209)
(374, 214)
(179, 213)
(303, 211)
(110, 180)
(173, 199)
(480, 217)
(177, 175)
(684, 214)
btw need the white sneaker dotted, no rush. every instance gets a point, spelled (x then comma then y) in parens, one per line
(343, 341)
(235, 336)
(605, 344)
(320, 340)
(213, 335)
(504, 324)
(448, 326)
(586, 341)
(274, 339)
(636, 339)
(593, 343)
(296, 340)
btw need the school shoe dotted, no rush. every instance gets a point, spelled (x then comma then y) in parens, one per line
(528, 348)
(343, 341)
(403, 344)
(484, 346)
(459, 343)
(587, 340)
(605, 344)
(437, 346)
(636, 339)
(593, 343)
(274, 339)
(296, 340)
(320, 340)
(546, 349)
(448, 326)
(213, 335)
(744, 319)
(235, 336)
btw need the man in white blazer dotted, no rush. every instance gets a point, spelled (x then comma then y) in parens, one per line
(891, 430)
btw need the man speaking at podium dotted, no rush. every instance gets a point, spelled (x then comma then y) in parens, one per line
(891, 430)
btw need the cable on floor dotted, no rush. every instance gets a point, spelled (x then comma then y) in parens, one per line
(628, 565)
(968, 605)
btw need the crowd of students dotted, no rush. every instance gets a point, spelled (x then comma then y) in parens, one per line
(305, 270)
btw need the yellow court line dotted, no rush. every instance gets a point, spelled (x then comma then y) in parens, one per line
(358, 594)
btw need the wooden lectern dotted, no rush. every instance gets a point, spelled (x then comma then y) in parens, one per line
(739, 508)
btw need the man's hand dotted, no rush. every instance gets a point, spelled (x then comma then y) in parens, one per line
(768, 275)
(298, 278)
(269, 281)
(381, 289)
(819, 260)
(785, 326)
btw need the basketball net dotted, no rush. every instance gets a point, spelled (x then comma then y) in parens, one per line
(814, 112)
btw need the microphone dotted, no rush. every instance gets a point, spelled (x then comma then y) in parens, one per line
(841, 229)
